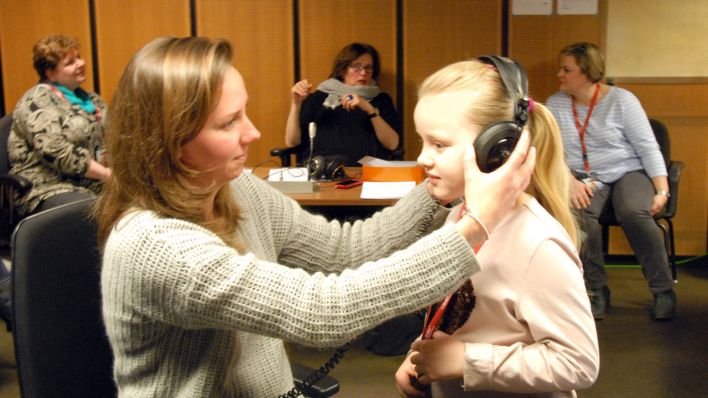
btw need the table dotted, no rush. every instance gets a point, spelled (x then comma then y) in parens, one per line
(328, 195)
(334, 203)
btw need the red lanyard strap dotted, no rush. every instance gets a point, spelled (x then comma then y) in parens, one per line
(463, 299)
(584, 127)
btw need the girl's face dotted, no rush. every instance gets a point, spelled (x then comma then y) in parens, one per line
(220, 149)
(445, 132)
(70, 71)
(360, 71)
(570, 76)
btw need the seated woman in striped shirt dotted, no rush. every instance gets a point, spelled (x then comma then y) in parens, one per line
(612, 151)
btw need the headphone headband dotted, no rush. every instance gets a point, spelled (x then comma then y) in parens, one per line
(513, 76)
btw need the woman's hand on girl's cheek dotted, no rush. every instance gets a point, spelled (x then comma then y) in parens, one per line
(490, 196)
(441, 358)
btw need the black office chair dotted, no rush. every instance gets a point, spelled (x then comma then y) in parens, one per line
(674, 168)
(9, 185)
(61, 347)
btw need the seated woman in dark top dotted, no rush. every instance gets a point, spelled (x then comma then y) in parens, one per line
(353, 116)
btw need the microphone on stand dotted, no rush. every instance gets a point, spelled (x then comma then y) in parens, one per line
(312, 132)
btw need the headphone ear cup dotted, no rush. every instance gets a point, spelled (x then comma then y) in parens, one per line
(335, 168)
(495, 144)
(316, 167)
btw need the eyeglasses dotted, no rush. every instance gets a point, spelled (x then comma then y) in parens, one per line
(359, 67)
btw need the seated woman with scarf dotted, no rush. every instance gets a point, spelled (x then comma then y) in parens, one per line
(354, 117)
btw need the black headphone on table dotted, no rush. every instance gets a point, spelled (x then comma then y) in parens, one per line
(496, 142)
(327, 167)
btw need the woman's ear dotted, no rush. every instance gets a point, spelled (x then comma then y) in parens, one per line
(51, 74)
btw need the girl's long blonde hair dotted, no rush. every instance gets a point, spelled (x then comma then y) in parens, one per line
(164, 97)
(551, 178)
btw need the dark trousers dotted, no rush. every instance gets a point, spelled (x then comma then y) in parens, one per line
(631, 197)
(63, 198)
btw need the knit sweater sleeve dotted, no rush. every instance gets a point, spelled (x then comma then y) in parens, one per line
(175, 272)
(303, 240)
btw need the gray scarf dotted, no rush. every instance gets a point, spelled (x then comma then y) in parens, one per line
(336, 89)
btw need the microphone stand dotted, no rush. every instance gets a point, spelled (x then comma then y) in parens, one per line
(312, 132)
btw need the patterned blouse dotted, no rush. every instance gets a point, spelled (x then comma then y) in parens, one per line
(51, 144)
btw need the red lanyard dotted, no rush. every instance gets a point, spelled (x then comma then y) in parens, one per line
(431, 324)
(584, 127)
(96, 112)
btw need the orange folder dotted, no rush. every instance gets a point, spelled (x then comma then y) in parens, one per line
(391, 174)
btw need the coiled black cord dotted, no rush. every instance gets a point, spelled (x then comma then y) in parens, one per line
(318, 374)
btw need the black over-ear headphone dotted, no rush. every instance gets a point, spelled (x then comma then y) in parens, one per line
(327, 167)
(496, 142)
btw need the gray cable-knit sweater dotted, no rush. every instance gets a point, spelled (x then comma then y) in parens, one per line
(188, 316)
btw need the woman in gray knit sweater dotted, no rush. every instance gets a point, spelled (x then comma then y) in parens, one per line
(207, 270)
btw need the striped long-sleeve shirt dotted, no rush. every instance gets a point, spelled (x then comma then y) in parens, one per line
(619, 138)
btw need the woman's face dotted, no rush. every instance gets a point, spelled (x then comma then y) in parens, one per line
(360, 71)
(220, 149)
(570, 77)
(70, 71)
(444, 131)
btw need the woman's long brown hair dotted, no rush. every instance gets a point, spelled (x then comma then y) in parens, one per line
(164, 97)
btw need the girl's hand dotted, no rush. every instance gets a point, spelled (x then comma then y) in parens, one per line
(490, 196)
(440, 358)
(406, 380)
(300, 91)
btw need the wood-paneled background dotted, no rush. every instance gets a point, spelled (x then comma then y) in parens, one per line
(278, 41)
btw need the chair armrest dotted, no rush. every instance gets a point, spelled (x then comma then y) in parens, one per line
(284, 154)
(397, 154)
(675, 169)
(15, 182)
(325, 387)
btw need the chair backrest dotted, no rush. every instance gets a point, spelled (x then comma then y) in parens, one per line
(61, 345)
(662, 138)
(5, 125)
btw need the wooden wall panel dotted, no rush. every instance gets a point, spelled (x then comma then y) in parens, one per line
(326, 26)
(22, 24)
(684, 110)
(437, 34)
(261, 34)
(535, 40)
(123, 27)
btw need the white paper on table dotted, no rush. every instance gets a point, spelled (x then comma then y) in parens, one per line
(386, 190)
(376, 162)
(288, 174)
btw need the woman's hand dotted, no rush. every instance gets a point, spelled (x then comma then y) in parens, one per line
(440, 358)
(490, 196)
(300, 91)
(580, 194)
(407, 379)
(353, 101)
(658, 203)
